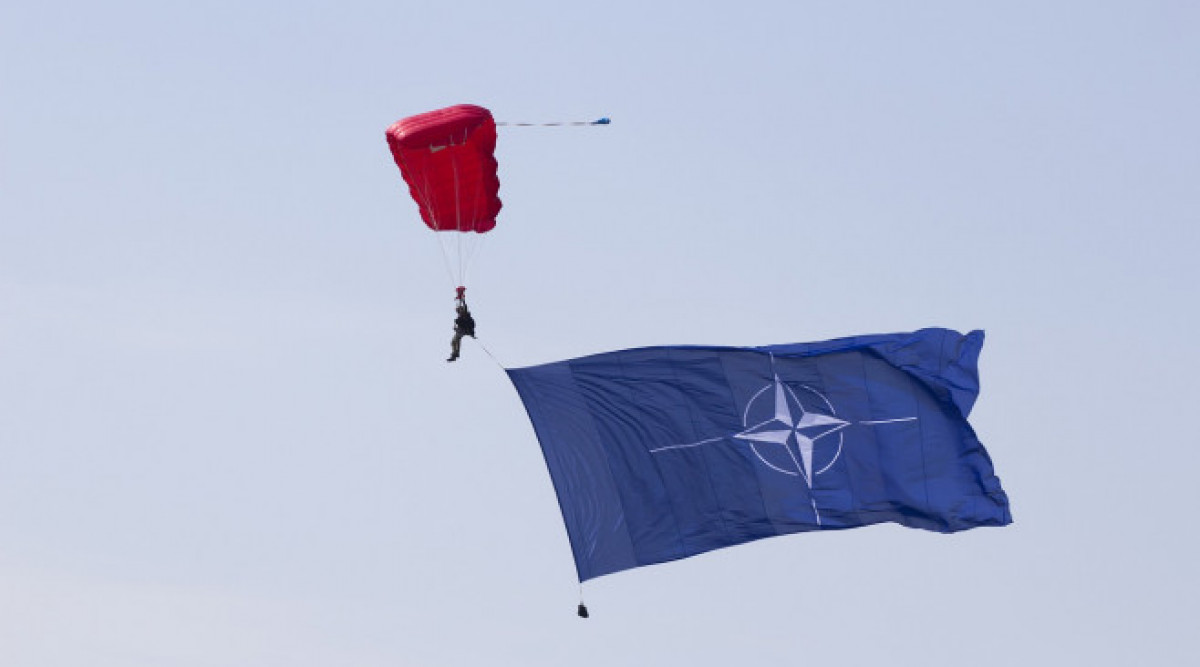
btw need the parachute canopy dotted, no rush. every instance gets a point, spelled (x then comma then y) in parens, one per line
(447, 159)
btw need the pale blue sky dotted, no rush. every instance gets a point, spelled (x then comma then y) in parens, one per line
(228, 435)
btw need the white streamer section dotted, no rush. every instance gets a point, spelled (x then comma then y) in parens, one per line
(690, 444)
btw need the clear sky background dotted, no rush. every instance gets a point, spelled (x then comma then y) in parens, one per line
(228, 435)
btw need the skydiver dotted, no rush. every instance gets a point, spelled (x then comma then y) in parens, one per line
(464, 325)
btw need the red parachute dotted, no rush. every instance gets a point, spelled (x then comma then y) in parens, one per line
(447, 158)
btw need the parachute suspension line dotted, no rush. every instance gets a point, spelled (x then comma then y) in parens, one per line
(573, 123)
(470, 243)
(454, 243)
(426, 203)
(473, 242)
(448, 236)
(443, 245)
(444, 240)
(458, 230)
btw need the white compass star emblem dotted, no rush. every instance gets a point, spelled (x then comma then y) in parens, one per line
(784, 429)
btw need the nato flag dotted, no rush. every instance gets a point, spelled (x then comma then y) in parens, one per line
(662, 453)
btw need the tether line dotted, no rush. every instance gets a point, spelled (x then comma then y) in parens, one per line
(572, 123)
(489, 353)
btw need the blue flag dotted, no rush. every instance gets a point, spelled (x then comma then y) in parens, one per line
(662, 453)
